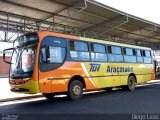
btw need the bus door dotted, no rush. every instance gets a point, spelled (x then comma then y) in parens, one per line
(52, 56)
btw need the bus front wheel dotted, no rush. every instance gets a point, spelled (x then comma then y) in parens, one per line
(48, 95)
(131, 84)
(75, 90)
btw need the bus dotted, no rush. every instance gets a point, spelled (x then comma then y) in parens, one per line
(53, 63)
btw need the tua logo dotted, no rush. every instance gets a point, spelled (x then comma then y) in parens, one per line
(94, 67)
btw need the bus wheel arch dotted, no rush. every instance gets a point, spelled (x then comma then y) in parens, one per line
(79, 78)
(132, 74)
(75, 88)
(131, 83)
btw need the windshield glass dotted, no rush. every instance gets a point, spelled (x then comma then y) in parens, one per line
(23, 56)
(23, 62)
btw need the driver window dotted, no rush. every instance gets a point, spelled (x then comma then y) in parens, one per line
(51, 54)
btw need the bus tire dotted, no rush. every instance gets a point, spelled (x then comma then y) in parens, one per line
(49, 96)
(75, 90)
(131, 84)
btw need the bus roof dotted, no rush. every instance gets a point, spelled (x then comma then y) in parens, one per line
(114, 43)
(91, 40)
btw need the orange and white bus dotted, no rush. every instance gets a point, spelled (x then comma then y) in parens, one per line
(50, 63)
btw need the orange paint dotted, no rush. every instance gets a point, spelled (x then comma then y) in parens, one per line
(153, 75)
(63, 75)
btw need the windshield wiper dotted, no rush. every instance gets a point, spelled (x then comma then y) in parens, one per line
(21, 75)
(29, 72)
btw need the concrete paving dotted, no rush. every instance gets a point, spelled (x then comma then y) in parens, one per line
(6, 94)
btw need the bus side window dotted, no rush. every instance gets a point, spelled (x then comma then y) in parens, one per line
(139, 56)
(115, 54)
(147, 56)
(79, 51)
(98, 52)
(130, 55)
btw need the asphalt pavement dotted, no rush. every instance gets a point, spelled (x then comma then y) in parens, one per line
(144, 100)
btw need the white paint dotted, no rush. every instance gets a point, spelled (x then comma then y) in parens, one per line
(87, 74)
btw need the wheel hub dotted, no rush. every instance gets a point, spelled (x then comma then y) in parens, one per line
(131, 83)
(76, 90)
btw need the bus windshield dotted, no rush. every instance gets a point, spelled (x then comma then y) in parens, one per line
(23, 56)
(23, 62)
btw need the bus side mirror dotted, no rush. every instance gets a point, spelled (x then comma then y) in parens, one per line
(7, 51)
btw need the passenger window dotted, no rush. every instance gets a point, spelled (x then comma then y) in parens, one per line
(147, 57)
(139, 56)
(98, 52)
(115, 54)
(116, 50)
(147, 53)
(129, 55)
(79, 51)
(139, 53)
(129, 51)
(98, 48)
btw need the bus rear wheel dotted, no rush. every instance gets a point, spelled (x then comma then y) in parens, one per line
(75, 90)
(131, 84)
(49, 96)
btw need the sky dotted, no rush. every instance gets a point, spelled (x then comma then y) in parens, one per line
(146, 9)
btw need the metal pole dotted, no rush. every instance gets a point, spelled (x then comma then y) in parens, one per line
(24, 25)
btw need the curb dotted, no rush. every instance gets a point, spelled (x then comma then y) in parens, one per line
(153, 81)
(20, 98)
